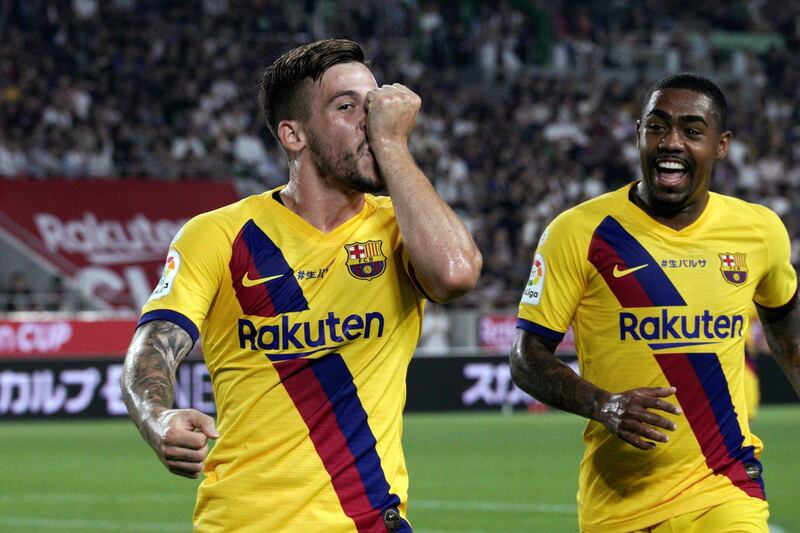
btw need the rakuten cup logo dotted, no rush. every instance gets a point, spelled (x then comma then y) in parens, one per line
(34, 337)
(119, 260)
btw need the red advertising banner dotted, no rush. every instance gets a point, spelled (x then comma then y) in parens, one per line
(496, 334)
(111, 237)
(65, 339)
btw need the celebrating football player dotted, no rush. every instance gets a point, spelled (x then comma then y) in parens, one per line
(309, 301)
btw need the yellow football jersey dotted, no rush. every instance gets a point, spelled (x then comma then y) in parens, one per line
(655, 307)
(307, 337)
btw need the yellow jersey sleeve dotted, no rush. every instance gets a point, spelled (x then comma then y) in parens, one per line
(557, 280)
(779, 283)
(195, 268)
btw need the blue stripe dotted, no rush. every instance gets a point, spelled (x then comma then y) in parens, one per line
(289, 356)
(542, 331)
(747, 455)
(712, 378)
(171, 316)
(665, 345)
(652, 279)
(337, 382)
(285, 292)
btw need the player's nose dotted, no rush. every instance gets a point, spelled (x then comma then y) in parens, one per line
(672, 140)
(362, 121)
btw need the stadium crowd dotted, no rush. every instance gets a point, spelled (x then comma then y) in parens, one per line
(528, 106)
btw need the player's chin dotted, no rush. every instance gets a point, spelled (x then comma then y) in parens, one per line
(670, 196)
(371, 178)
(670, 202)
(366, 184)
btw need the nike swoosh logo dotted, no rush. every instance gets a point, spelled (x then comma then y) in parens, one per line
(247, 282)
(622, 273)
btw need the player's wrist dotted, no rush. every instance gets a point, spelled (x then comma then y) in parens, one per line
(389, 146)
(152, 420)
(610, 409)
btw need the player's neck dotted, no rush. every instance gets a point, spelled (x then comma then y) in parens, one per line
(324, 207)
(674, 219)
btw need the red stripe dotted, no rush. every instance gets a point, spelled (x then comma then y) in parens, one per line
(738, 475)
(627, 289)
(314, 406)
(697, 409)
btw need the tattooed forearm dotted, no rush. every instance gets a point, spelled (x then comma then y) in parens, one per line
(782, 330)
(536, 370)
(148, 377)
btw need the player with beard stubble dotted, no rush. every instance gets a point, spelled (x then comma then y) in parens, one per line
(309, 299)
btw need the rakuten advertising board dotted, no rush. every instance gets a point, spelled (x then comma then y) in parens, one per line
(496, 333)
(71, 369)
(111, 237)
(56, 369)
(64, 339)
(86, 389)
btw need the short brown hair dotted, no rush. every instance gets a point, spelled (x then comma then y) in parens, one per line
(280, 91)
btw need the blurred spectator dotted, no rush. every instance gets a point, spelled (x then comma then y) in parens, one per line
(435, 329)
(56, 297)
(18, 294)
(528, 107)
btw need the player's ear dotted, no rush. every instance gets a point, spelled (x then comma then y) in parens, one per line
(291, 135)
(724, 141)
(638, 127)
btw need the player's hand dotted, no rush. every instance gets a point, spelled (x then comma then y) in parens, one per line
(180, 438)
(629, 415)
(391, 115)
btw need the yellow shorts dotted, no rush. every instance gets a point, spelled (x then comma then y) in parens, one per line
(736, 516)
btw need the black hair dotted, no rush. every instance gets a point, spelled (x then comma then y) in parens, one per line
(698, 84)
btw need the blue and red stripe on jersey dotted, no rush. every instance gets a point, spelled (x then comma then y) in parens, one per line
(255, 255)
(703, 394)
(327, 399)
(613, 247)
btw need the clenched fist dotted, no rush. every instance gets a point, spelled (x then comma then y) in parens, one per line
(180, 439)
(391, 115)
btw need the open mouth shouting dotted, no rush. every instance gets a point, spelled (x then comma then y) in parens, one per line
(671, 172)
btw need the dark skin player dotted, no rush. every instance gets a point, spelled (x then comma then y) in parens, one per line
(680, 139)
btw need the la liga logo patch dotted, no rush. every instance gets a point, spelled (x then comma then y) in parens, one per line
(171, 267)
(365, 260)
(733, 267)
(533, 290)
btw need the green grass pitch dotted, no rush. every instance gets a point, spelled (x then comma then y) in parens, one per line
(469, 473)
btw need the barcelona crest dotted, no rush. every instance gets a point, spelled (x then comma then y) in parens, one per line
(733, 268)
(365, 260)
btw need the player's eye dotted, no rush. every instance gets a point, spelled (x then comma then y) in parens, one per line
(691, 132)
(345, 107)
(655, 127)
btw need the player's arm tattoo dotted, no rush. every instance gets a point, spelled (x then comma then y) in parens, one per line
(782, 330)
(148, 376)
(536, 370)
